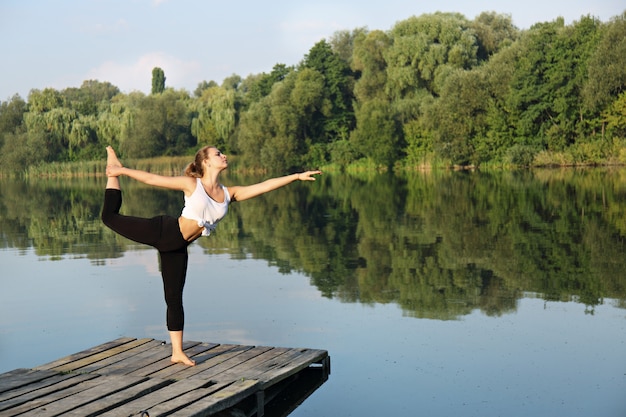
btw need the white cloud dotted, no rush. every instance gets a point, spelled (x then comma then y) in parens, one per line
(137, 75)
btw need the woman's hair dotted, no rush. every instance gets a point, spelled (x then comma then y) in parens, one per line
(195, 168)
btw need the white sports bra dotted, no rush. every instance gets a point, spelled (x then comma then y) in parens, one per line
(202, 208)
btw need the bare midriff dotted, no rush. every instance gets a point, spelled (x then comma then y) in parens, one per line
(189, 229)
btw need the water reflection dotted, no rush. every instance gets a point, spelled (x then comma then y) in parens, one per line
(440, 245)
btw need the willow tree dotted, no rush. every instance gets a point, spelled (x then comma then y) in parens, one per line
(426, 49)
(216, 117)
(370, 65)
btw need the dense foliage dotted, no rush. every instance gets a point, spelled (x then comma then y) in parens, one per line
(436, 89)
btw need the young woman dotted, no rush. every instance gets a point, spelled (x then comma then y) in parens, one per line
(206, 203)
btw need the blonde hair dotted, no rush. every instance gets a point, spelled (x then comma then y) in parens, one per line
(195, 169)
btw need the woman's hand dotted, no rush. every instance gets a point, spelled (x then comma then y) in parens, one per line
(114, 170)
(308, 175)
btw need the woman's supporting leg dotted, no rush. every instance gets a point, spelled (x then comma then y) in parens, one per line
(174, 271)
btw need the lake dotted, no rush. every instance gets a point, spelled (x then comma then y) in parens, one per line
(438, 294)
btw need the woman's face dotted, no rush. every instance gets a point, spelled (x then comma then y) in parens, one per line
(216, 159)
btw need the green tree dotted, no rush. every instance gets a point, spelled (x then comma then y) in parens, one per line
(254, 129)
(546, 89)
(342, 43)
(49, 122)
(530, 87)
(425, 50)
(215, 117)
(606, 78)
(159, 125)
(460, 117)
(615, 118)
(158, 80)
(493, 32)
(202, 86)
(274, 133)
(377, 134)
(369, 65)
(91, 95)
(44, 100)
(334, 121)
(258, 86)
(11, 116)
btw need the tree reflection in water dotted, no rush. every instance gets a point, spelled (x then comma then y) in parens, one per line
(438, 244)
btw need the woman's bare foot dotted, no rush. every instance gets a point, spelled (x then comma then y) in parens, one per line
(182, 358)
(112, 161)
(178, 354)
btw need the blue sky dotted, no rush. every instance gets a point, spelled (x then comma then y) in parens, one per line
(59, 44)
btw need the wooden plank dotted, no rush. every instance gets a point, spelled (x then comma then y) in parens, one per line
(224, 353)
(165, 368)
(219, 401)
(155, 354)
(118, 357)
(105, 386)
(99, 356)
(119, 398)
(235, 358)
(242, 369)
(40, 389)
(55, 396)
(152, 399)
(9, 381)
(14, 372)
(21, 390)
(296, 363)
(87, 352)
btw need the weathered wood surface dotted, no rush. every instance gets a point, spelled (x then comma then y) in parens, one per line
(127, 376)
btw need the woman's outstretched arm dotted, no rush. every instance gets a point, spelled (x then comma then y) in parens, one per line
(241, 193)
(115, 169)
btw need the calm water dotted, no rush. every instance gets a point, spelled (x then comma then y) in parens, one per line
(442, 294)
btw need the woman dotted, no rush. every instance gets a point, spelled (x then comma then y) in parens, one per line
(206, 203)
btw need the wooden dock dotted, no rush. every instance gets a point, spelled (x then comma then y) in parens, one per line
(134, 377)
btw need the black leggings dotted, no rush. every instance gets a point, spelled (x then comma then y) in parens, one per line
(163, 233)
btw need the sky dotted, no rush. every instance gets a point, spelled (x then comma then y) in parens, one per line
(59, 44)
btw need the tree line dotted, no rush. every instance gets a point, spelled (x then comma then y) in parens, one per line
(434, 90)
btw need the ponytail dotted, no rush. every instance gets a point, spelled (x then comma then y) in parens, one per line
(191, 171)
